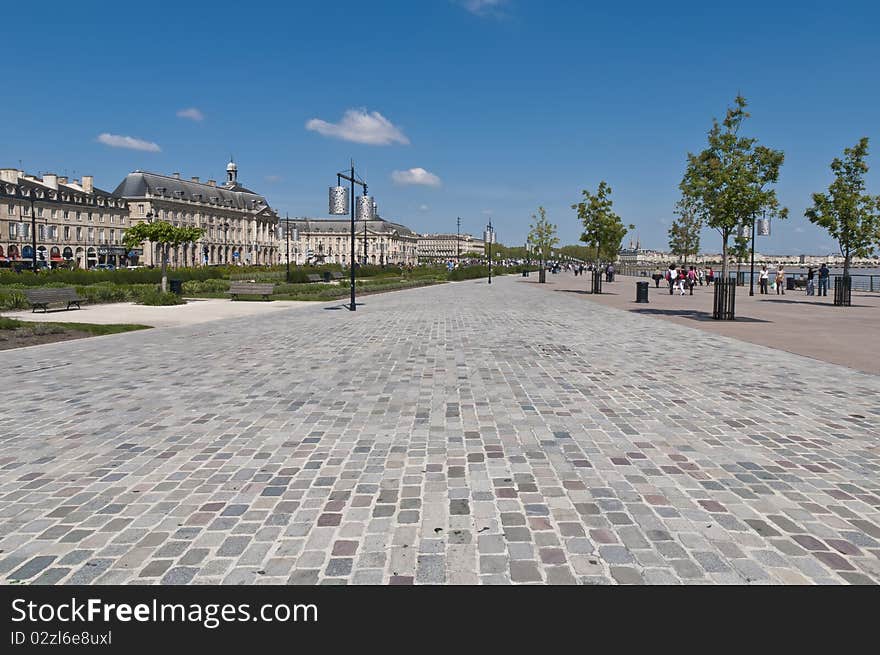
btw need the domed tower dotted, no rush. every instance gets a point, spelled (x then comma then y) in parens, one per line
(231, 173)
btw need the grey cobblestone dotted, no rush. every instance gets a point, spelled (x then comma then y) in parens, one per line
(475, 435)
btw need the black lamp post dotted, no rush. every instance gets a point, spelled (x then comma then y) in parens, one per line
(490, 236)
(337, 207)
(33, 229)
(458, 241)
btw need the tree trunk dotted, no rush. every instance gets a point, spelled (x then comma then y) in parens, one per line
(724, 257)
(846, 259)
(164, 268)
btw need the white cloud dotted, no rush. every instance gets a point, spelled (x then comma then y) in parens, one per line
(487, 212)
(482, 7)
(273, 178)
(361, 127)
(191, 113)
(119, 141)
(415, 176)
(423, 208)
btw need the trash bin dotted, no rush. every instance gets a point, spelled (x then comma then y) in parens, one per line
(326, 276)
(789, 284)
(641, 292)
(176, 286)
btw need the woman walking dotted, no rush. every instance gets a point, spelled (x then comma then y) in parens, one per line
(764, 280)
(811, 290)
(780, 280)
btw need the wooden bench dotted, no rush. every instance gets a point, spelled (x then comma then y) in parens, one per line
(237, 289)
(314, 277)
(43, 297)
(336, 275)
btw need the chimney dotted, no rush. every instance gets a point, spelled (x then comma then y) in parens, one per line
(62, 179)
(88, 184)
(50, 180)
(175, 175)
(194, 178)
(212, 182)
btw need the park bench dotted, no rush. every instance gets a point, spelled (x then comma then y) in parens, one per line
(313, 277)
(250, 289)
(336, 275)
(44, 297)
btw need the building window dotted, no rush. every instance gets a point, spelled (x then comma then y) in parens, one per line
(91, 217)
(67, 233)
(141, 208)
(91, 234)
(79, 234)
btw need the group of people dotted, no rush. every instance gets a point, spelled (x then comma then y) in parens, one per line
(824, 275)
(677, 277)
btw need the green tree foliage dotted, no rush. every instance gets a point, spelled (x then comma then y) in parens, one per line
(729, 183)
(164, 234)
(580, 253)
(684, 233)
(542, 236)
(848, 213)
(603, 229)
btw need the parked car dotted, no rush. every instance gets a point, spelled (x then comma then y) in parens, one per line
(103, 267)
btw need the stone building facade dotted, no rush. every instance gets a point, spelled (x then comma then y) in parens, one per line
(240, 226)
(75, 223)
(328, 241)
(446, 247)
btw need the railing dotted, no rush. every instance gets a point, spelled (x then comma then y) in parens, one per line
(868, 282)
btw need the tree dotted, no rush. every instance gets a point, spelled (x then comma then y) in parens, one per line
(542, 236)
(164, 234)
(848, 214)
(603, 229)
(729, 182)
(740, 250)
(684, 234)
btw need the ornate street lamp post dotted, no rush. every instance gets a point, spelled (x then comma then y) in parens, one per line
(341, 203)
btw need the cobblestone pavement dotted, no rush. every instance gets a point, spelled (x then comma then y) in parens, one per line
(454, 434)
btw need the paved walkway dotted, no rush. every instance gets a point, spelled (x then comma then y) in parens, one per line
(453, 434)
(196, 310)
(794, 322)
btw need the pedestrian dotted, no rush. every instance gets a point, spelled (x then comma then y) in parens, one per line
(780, 280)
(681, 278)
(710, 276)
(701, 275)
(811, 289)
(671, 274)
(764, 279)
(824, 275)
(657, 277)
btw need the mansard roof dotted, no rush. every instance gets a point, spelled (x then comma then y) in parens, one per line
(140, 184)
(343, 225)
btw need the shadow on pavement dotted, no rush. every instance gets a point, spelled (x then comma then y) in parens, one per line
(693, 314)
(829, 303)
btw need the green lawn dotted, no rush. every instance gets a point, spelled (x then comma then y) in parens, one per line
(97, 330)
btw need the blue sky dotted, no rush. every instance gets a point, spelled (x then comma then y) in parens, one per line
(481, 107)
